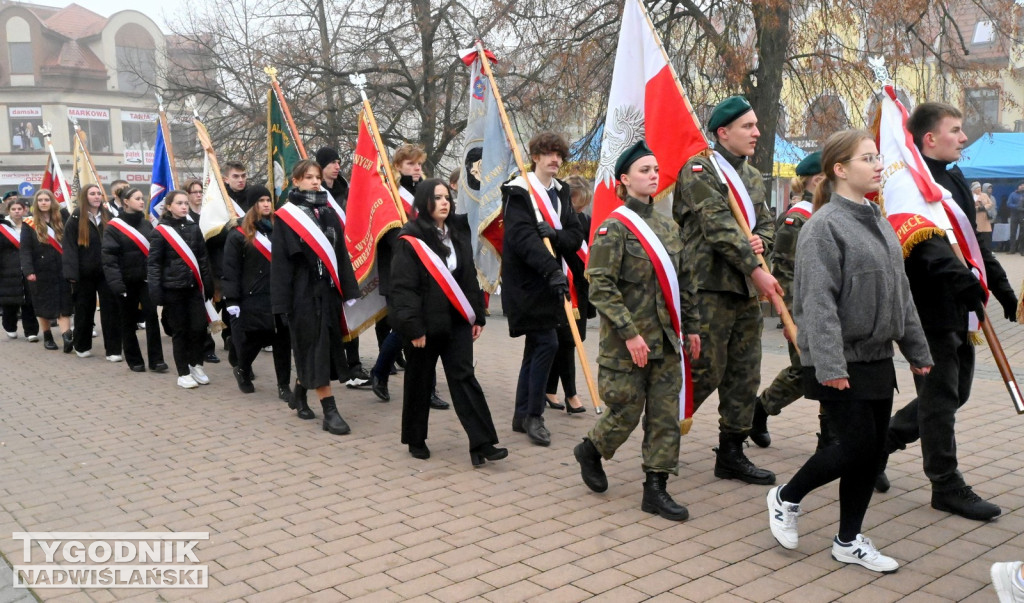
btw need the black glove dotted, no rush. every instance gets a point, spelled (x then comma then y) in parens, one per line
(977, 306)
(546, 231)
(1008, 300)
(558, 283)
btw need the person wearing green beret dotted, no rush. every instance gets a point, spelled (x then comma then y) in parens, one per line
(639, 358)
(729, 278)
(787, 386)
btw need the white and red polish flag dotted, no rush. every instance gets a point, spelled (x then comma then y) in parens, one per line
(646, 101)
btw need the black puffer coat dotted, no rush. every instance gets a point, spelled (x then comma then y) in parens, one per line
(12, 282)
(246, 281)
(82, 262)
(123, 260)
(51, 294)
(166, 269)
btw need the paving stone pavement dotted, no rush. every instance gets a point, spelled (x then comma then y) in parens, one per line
(297, 514)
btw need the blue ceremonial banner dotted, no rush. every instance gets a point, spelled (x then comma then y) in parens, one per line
(162, 180)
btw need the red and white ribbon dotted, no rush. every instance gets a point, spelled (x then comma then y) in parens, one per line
(309, 231)
(804, 208)
(439, 270)
(185, 253)
(739, 190)
(407, 199)
(542, 202)
(132, 233)
(53, 240)
(669, 281)
(260, 241)
(13, 235)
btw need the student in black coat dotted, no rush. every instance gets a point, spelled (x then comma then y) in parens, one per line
(303, 290)
(41, 263)
(13, 286)
(246, 287)
(431, 327)
(124, 266)
(83, 268)
(173, 285)
(533, 286)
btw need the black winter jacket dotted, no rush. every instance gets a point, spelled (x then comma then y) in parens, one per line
(82, 262)
(123, 260)
(417, 306)
(246, 281)
(166, 269)
(386, 247)
(943, 288)
(12, 281)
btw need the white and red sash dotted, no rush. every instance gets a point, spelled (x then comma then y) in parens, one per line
(439, 270)
(185, 253)
(132, 233)
(52, 239)
(542, 205)
(309, 231)
(334, 205)
(260, 241)
(407, 199)
(739, 190)
(13, 235)
(669, 281)
(804, 208)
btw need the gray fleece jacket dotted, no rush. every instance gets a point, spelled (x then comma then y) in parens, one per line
(851, 297)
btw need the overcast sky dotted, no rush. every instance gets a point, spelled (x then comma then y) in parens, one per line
(154, 10)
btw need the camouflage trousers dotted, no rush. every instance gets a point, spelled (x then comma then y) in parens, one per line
(652, 391)
(730, 357)
(786, 389)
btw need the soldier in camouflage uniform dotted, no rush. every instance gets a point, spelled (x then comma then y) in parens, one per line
(639, 358)
(729, 279)
(788, 386)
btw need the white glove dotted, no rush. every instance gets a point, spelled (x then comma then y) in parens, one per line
(234, 311)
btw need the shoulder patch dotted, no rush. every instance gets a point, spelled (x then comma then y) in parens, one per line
(602, 231)
(790, 220)
(697, 167)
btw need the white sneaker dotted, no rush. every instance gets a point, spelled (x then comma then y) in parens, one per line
(94, 333)
(862, 552)
(199, 375)
(141, 326)
(1005, 580)
(85, 354)
(33, 338)
(187, 382)
(782, 519)
(11, 335)
(115, 358)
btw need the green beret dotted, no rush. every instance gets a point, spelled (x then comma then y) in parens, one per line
(727, 111)
(810, 165)
(630, 155)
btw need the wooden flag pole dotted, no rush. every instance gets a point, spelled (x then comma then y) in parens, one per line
(204, 139)
(486, 64)
(272, 72)
(359, 81)
(734, 206)
(88, 158)
(166, 128)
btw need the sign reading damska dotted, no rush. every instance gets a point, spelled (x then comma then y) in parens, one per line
(25, 111)
(85, 113)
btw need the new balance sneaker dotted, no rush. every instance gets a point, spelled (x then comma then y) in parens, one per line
(33, 338)
(115, 358)
(187, 382)
(85, 354)
(862, 552)
(198, 374)
(11, 335)
(782, 519)
(1007, 581)
(358, 378)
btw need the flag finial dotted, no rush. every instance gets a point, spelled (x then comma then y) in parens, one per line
(45, 129)
(74, 120)
(271, 72)
(359, 81)
(877, 65)
(191, 103)
(159, 101)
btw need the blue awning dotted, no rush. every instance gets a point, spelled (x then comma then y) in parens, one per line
(994, 155)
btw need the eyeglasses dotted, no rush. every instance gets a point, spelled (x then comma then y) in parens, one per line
(869, 158)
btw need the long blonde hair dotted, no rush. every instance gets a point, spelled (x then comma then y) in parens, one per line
(39, 223)
(839, 148)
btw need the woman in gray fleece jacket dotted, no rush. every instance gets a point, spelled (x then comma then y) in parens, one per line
(851, 302)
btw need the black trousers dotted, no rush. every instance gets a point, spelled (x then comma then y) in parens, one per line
(185, 319)
(136, 307)
(931, 416)
(538, 354)
(564, 368)
(860, 427)
(249, 343)
(86, 290)
(456, 354)
(352, 354)
(29, 324)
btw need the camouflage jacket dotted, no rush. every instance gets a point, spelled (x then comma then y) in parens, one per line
(722, 257)
(625, 289)
(784, 253)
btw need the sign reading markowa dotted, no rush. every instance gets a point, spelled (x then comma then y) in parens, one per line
(111, 560)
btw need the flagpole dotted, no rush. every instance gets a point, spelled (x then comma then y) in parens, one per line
(567, 305)
(204, 139)
(787, 320)
(57, 173)
(88, 157)
(167, 141)
(359, 81)
(272, 72)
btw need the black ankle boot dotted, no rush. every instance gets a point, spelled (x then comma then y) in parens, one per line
(657, 499)
(759, 429)
(299, 403)
(731, 463)
(332, 419)
(284, 393)
(48, 342)
(590, 465)
(68, 341)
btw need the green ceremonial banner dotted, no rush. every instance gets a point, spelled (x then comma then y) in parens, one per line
(282, 154)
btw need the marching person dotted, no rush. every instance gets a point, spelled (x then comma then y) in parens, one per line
(851, 301)
(436, 306)
(564, 366)
(310, 278)
(126, 243)
(14, 296)
(636, 253)
(41, 263)
(116, 203)
(945, 291)
(534, 288)
(246, 286)
(194, 188)
(729, 278)
(178, 274)
(83, 268)
(788, 386)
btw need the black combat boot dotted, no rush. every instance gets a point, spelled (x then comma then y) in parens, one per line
(657, 500)
(332, 419)
(590, 465)
(299, 403)
(759, 429)
(731, 463)
(48, 340)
